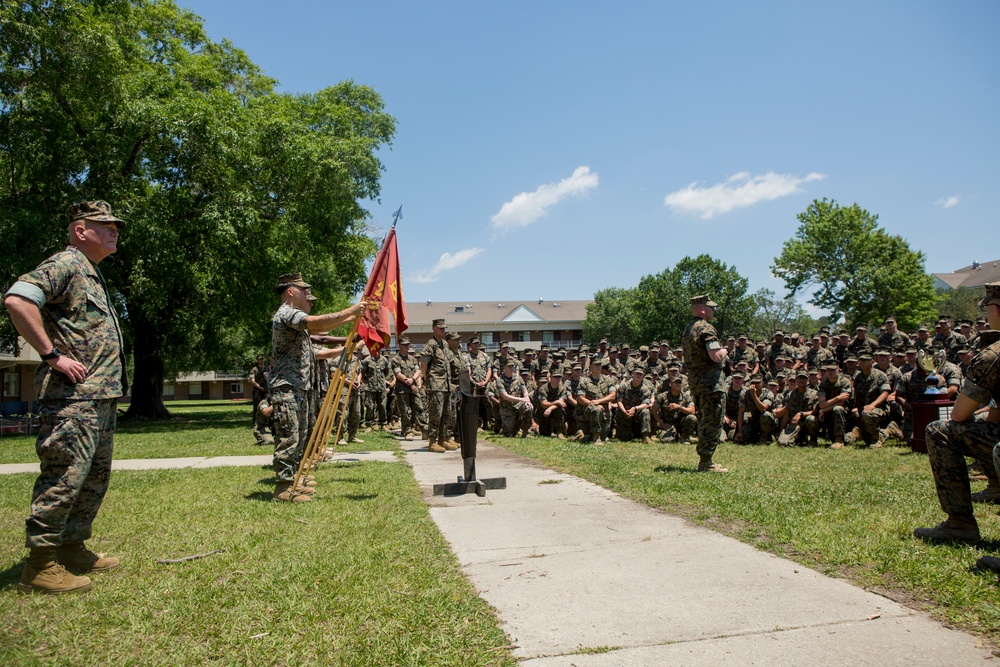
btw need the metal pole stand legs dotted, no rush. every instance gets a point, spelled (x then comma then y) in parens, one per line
(468, 424)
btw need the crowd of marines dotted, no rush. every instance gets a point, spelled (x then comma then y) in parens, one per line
(854, 389)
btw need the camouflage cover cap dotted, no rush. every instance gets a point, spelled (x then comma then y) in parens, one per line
(802, 374)
(639, 369)
(779, 332)
(438, 323)
(861, 327)
(882, 352)
(735, 375)
(703, 300)
(992, 295)
(474, 339)
(451, 335)
(864, 356)
(922, 328)
(311, 298)
(756, 378)
(290, 279)
(404, 341)
(890, 319)
(643, 348)
(98, 211)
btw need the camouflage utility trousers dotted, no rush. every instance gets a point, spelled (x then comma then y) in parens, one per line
(374, 402)
(948, 443)
(554, 424)
(292, 420)
(74, 450)
(710, 408)
(515, 417)
(593, 420)
(636, 426)
(439, 416)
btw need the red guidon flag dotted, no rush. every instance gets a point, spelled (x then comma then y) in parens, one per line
(385, 291)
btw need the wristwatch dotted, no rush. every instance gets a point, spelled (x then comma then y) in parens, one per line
(54, 354)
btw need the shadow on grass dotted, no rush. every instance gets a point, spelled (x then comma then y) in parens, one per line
(10, 576)
(184, 423)
(673, 468)
(361, 496)
(265, 496)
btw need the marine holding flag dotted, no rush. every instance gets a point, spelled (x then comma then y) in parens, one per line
(290, 379)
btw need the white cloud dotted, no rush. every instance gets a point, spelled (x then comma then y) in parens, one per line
(738, 191)
(947, 202)
(527, 207)
(446, 262)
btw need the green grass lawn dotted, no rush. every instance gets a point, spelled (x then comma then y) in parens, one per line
(198, 428)
(360, 576)
(848, 512)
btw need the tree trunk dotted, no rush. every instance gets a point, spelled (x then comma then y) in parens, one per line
(147, 381)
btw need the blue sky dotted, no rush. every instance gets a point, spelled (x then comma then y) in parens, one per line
(552, 149)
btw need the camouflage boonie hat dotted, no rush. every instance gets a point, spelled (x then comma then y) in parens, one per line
(292, 279)
(703, 300)
(992, 295)
(98, 211)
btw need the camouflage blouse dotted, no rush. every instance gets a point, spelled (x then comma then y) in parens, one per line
(82, 324)
(291, 350)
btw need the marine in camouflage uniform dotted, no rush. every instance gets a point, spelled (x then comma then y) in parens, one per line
(64, 310)
(405, 367)
(515, 404)
(893, 339)
(701, 346)
(673, 411)
(293, 374)
(871, 393)
(835, 400)
(799, 424)
(950, 441)
(594, 396)
(435, 367)
(551, 397)
(257, 379)
(758, 422)
(634, 399)
(373, 391)
(734, 392)
(949, 341)
(862, 343)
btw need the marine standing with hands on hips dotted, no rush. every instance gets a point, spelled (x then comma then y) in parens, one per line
(64, 310)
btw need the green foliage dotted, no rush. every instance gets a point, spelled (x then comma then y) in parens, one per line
(659, 307)
(225, 183)
(611, 314)
(856, 268)
(960, 304)
(663, 300)
(786, 314)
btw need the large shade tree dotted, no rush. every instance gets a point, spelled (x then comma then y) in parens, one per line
(855, 268)
(225, 183)
(660, 305)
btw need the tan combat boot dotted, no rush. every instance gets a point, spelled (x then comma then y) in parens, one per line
(433, 446)
(78, 558)
(43, 574)
(451, 445)
(707, 465)
(954, 529)
(283, 492)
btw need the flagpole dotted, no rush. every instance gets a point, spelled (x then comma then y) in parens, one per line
(319, 438)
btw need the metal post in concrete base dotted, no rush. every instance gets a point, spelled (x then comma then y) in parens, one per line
(468, 423)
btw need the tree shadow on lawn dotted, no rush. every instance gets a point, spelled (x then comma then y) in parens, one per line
(181, 424)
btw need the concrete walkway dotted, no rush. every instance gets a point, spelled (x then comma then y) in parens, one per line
(581, 576)
(204, 462)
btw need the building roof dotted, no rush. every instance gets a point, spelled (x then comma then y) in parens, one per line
(974, 275)
(492, 313)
